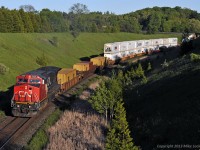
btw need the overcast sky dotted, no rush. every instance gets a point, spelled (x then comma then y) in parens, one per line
(115, 6)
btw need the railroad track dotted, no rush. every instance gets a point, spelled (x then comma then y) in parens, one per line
(11, 128)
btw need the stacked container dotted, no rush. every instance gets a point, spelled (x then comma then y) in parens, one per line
(98, 61)
(66, 78)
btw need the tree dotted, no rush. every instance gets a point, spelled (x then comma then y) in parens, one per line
(75, 13)
(42, 60)
(100, 100)
(115, 89)
(139, 71)
(28, 27)
(36, 21)
(8, 20)
(27, 8)
(105, 98)
(167, 26)
(149, 66)
(79, 9)
(194, 25)
(18, 25)
(45, 22)
(3, 27)
(129, 24)
(118, 137)
(154, 23)
(94, 27)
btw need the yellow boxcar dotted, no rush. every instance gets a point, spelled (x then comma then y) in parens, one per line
(82, 66)
(98, 61)
(65, 75)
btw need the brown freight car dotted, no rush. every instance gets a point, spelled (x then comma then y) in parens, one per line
(67, 78)
(84, 68)
(99, 61)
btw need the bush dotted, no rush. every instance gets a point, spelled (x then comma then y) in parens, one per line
(3, 69)
(149, 66)
(54, 41)
(165, 64)
(194, 57)
(144, 80)
(42, 61)
(2, 114)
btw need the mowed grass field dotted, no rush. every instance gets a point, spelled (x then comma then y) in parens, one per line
(18, 51)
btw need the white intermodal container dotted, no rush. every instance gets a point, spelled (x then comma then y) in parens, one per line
(123, 46)
(173, 41)
(118, 50)
(147, 43)
(157, 42)
(165, 42)
(113, 56)
(112, 47)
(131, 45)
(140, 44)
(107, 48)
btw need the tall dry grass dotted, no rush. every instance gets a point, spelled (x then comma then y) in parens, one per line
(80, 128)
(77, 130)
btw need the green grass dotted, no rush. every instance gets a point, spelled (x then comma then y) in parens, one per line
(18, 51)
(40, 138)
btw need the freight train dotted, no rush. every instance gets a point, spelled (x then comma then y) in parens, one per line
(34, 89)
(128, 49)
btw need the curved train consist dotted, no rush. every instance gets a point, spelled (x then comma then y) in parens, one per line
(35, 88)
(128, 49)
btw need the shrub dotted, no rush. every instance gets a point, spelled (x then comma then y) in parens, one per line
(165, 64)
(194, 57)
(149, 67)
(2, 114)
(54, 41)
(42, 61)
(144, 80)
(3, 69)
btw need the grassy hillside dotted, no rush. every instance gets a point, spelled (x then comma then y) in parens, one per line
(166, 110)
(18, 51)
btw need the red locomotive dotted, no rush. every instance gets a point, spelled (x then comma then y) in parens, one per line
(33, 89)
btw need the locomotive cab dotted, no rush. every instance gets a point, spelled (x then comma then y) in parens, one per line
(28, 92)
(30, 79)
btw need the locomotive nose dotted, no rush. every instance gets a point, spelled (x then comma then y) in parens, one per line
(24, 93)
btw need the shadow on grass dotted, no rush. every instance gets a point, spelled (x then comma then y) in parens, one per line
(84, 59)
(166, 111)
(88, 58)
(5, 99)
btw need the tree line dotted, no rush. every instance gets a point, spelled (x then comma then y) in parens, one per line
(80, 19)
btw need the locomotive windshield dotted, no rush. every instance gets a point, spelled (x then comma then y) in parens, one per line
(22, 80)
(35, 81)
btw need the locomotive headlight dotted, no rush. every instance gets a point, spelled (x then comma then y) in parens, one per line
(29, 106)
(18, 106)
